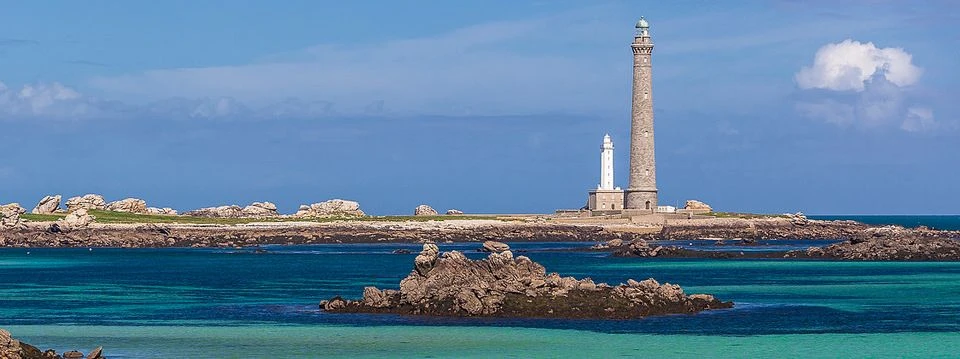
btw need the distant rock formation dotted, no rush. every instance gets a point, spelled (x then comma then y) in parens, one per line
(166, 211)
(76, 219)
(11, 348)
(331, 208)
(494, 247)
(503, 286)
(453, 212)
(798, 219)
(697, 206)
(889, 243)
(129, 205)
(260, 209)
(47, 205)
(424, 210)
(88, 202)
(232, 211)
(10, 215)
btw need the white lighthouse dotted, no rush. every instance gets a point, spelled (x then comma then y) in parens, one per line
(606, 197)
(606, 163)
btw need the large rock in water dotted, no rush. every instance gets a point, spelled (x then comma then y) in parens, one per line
(87, 201)
(130, 205)
(260, 209)
(450, 284)
(331, 208)
(47, 205)
(697, 206)
(232, 211)
(424, 210)
(494, 247)
(10, 215)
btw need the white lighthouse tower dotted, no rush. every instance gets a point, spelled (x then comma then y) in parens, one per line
(606, 163)
(606, 197)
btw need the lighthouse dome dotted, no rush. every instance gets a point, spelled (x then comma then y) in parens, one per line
(642, 24)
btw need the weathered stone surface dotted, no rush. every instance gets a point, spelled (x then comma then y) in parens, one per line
(424, 210)
(888, 243)
(87, 201)
(166, 211)
(96, 353)
(130, 205)
(76, 219)
(47, 205)
(454, 212)
(695, 205)
(494, 247)
(10, 215)
(260, 209)
(331, 208)
(503, 285)
(799, 219)
(11, 348)
(232, 211)
(73, 354)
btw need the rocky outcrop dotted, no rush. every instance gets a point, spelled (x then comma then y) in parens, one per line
(502, 285)
(697, 206)
(76, 219)
(162, 211)
(758, 228)
(613, 243)
(260, 209)
(47, 205)
(424, 210)
(129, 205)
(232, 211)
(889, 243)
(454, 212)
(11, 348)
(87, 201)
(494, 247)
(10, 215)
(331, 208)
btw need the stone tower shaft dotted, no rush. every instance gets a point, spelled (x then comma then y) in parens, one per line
(641, 193)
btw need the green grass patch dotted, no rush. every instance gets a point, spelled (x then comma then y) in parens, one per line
(42, 217)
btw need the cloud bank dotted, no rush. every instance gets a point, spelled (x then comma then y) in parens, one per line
(860, 85)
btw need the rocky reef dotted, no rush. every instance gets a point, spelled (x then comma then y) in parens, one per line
(11, 348)
(792, 227)
(450, 284)
(889, 243)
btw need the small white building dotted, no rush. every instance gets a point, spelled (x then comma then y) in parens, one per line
(606, 197)
(666, 209)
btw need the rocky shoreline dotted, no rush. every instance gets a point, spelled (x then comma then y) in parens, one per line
(450, 284)
(11, 348)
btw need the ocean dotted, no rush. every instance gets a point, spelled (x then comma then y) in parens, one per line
(226, 303)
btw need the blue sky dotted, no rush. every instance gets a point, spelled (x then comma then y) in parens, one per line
(487, 106)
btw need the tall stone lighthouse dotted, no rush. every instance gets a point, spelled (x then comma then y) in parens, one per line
(641, 193)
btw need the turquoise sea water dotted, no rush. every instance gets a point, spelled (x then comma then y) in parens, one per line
(209, 303)
(942, 222)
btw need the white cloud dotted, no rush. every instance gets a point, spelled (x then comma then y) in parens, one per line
(920, 119)
(849, 65)
(49, 100)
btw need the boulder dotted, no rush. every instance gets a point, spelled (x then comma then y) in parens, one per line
(331, 208)
(454, 212)
(424, 210)
(10, 215)
(47, 205)
(450, 284)
(260, 209)
(129, 205)
(87, 201)
(76, 219)
(799, 219)
(166, 211)
(697, 206)
(232, 211)
(494, 247)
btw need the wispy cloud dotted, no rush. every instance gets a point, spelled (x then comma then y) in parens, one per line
(17, 42)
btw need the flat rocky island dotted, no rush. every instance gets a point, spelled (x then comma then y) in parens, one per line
(450, 284)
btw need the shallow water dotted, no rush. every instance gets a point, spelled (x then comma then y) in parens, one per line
(198, 303)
